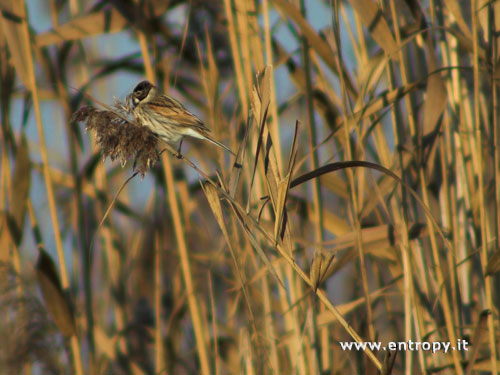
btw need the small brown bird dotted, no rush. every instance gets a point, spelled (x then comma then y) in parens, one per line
(168, 118)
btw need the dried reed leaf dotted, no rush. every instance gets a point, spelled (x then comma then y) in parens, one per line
(335, 184)
(250, 227)
(214, 202)
(139, 14)
(271, 169)
(5, 240)
(265, 92)
(255, 105)
(371, 72)
(434, 106)
(237, 168)
(496, 69)
(21, 186)
(280, 209)
(455, 9)
(295, 72)
(374, 238)
(240, 9)
(315, 270)
(12, 221)
(382, 101)
(466, 44)
(238, 69)
(103, 22)
(254, 30)
(373, 19)
(493, 264)
(55, 300)
(377, 241)
(265, 140)
(212, 78)
(346, 308)
(484, 365)
(288, 9)
(389, 359)
(283, 189)
(12, 17)
(331, 221)
(105, 344)
(365, 164)
(385, 184)
(436, 96)
(326, 108)
(319, 267)
(325, 101)
(341, 260)
(480, 333)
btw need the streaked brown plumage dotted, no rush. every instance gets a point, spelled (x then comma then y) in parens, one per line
(168, 118)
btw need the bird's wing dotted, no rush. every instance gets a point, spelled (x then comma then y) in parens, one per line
(174, 110)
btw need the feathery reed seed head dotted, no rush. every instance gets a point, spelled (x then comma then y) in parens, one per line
(120, 138)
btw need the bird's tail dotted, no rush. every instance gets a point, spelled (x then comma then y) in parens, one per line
(217, 143)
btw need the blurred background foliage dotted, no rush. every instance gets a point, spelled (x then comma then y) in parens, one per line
(363, 204)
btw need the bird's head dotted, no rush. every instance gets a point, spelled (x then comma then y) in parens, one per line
(143, 92)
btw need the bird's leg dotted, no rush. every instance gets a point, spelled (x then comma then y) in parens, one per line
(179, 155)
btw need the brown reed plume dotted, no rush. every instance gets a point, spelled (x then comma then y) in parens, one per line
(119, 137)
